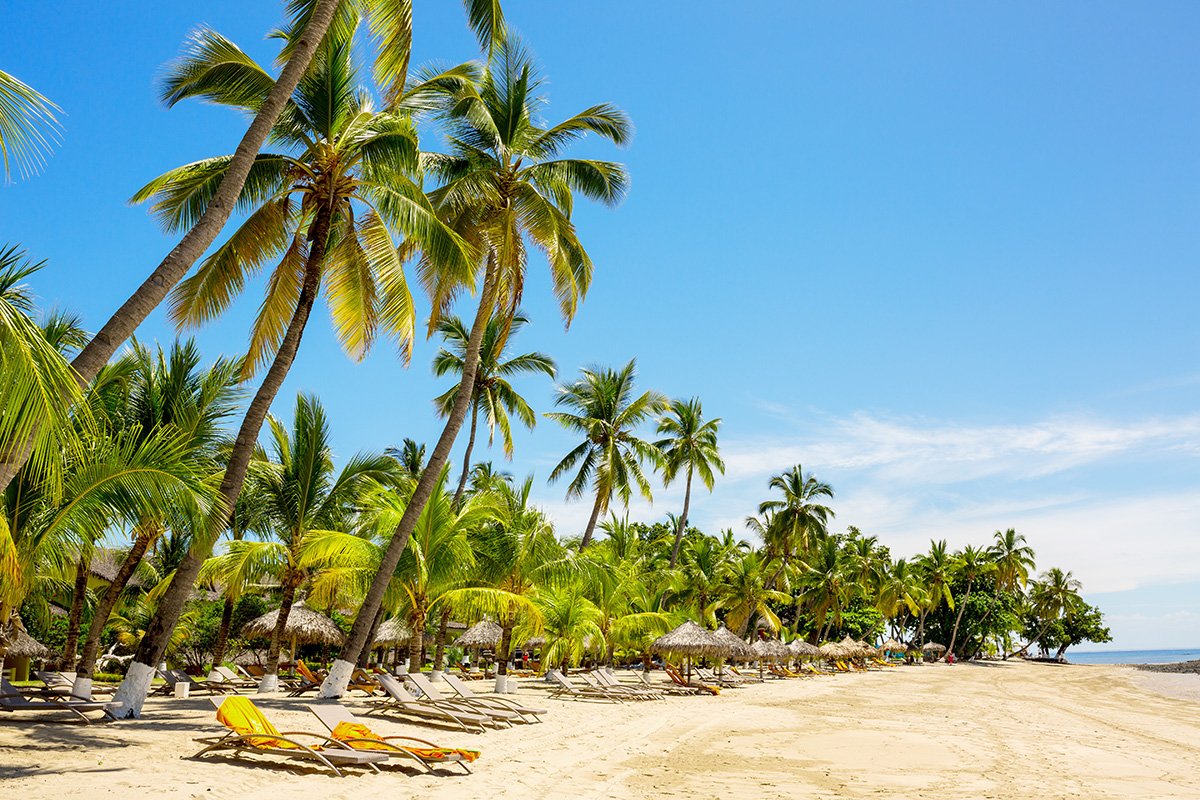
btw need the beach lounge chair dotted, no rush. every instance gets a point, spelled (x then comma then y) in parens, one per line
(348, 729)
(670, 688)
(464, 691)
(398, 699)
(173, 676)
(434, 695)
(251, 732)
(12, 701)
(600, 679)
(563, 687)
(224, 675)
(679, 680)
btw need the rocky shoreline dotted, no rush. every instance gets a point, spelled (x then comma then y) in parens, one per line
(1180, 667)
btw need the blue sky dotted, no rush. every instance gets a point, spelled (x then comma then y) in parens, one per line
(944, 256)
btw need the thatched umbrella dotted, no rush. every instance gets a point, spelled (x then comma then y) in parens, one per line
(484, 633)
(802, 649)
(304, 626)
(688, 640)
(23, 645)
(934, 649)
(832, 651)
(892, 646)
(738, 649)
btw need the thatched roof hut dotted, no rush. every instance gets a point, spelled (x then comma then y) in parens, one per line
(934, 647)
(484, 633)
(892, 646)
(689, 639)
(392, 633)
(304, 626)
(832, 651)
(738, 649)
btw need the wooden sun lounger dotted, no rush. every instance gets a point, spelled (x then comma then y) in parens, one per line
(332, 714)
(670, 688)
(465, 691)
(12, 701)
(599, 679)
(400, 700)
(228, 677)
(266, 740)
(174, 676)
(433, 695)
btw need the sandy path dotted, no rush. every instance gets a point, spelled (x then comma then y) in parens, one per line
(988, 731)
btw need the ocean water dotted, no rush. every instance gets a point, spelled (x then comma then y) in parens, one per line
(1132, 656)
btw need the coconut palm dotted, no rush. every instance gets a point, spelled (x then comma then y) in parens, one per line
(620, 588)
(1013, 558)
(936, 569)
(969, 565)
(689, 446)
(503, 187)
(1053, 594)
(302, 494)
(410, 455)
(610, 458)
(570, 624)
(797, 520)
(902, 592)
(746, 594)
(165, 391)
(700, 575)
(825, 585)
(326, 209)
(493, 393)
(28, 127)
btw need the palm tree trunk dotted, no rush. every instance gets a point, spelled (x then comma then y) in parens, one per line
(223, 633)
(466, 470)
(439, 642)
(339, 675)
(416, 642)
(591, 526)
(364, 658)
(270, 681)
(687, 501)
(153, 646)
(958, 617)
(75, 616)
(147, 297)
(503, 650)
(144, 534)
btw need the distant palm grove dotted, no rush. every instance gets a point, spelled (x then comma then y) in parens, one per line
(153, 504)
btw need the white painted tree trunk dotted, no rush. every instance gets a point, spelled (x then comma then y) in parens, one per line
(82, 688)
(131, 694)
(435, 676)
(269, 684)
(501, 684)
(339, 676)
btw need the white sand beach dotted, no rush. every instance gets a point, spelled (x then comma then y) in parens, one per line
(998, 730)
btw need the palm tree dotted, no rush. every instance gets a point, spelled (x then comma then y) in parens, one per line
(901, 592)
(796, 520)
(971, 564)
(410, 455)
(690, 445)
(28, 127)
(746, 593)
(326, 209)
(700, 576)
(569, 621)
(1053, 594)
(492, 390)
(1014, 559)
(165, 391)
(502, 185)
(610, 458)
(825, 584)
(936, 568)
(302, 495)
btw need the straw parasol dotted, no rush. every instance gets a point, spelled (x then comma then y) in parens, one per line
(484, 633)
(392, 633)
(304, 626)
(802, 649)
(934, 647)
(892, 646)
(688, 640)
(832, 651)
(738, 649)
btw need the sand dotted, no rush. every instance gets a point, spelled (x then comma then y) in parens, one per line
(1009, 730)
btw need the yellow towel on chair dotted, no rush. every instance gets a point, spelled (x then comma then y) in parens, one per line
(348, 732)
(243, 717)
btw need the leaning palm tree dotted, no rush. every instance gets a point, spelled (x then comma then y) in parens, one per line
(325, 209)
(503, 188)
(689, 446)
(609, 461)
(302, 495)
(493, 393)
(28, 127)
(1053, 594)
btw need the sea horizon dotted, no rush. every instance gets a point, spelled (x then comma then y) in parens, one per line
(1159, 656)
